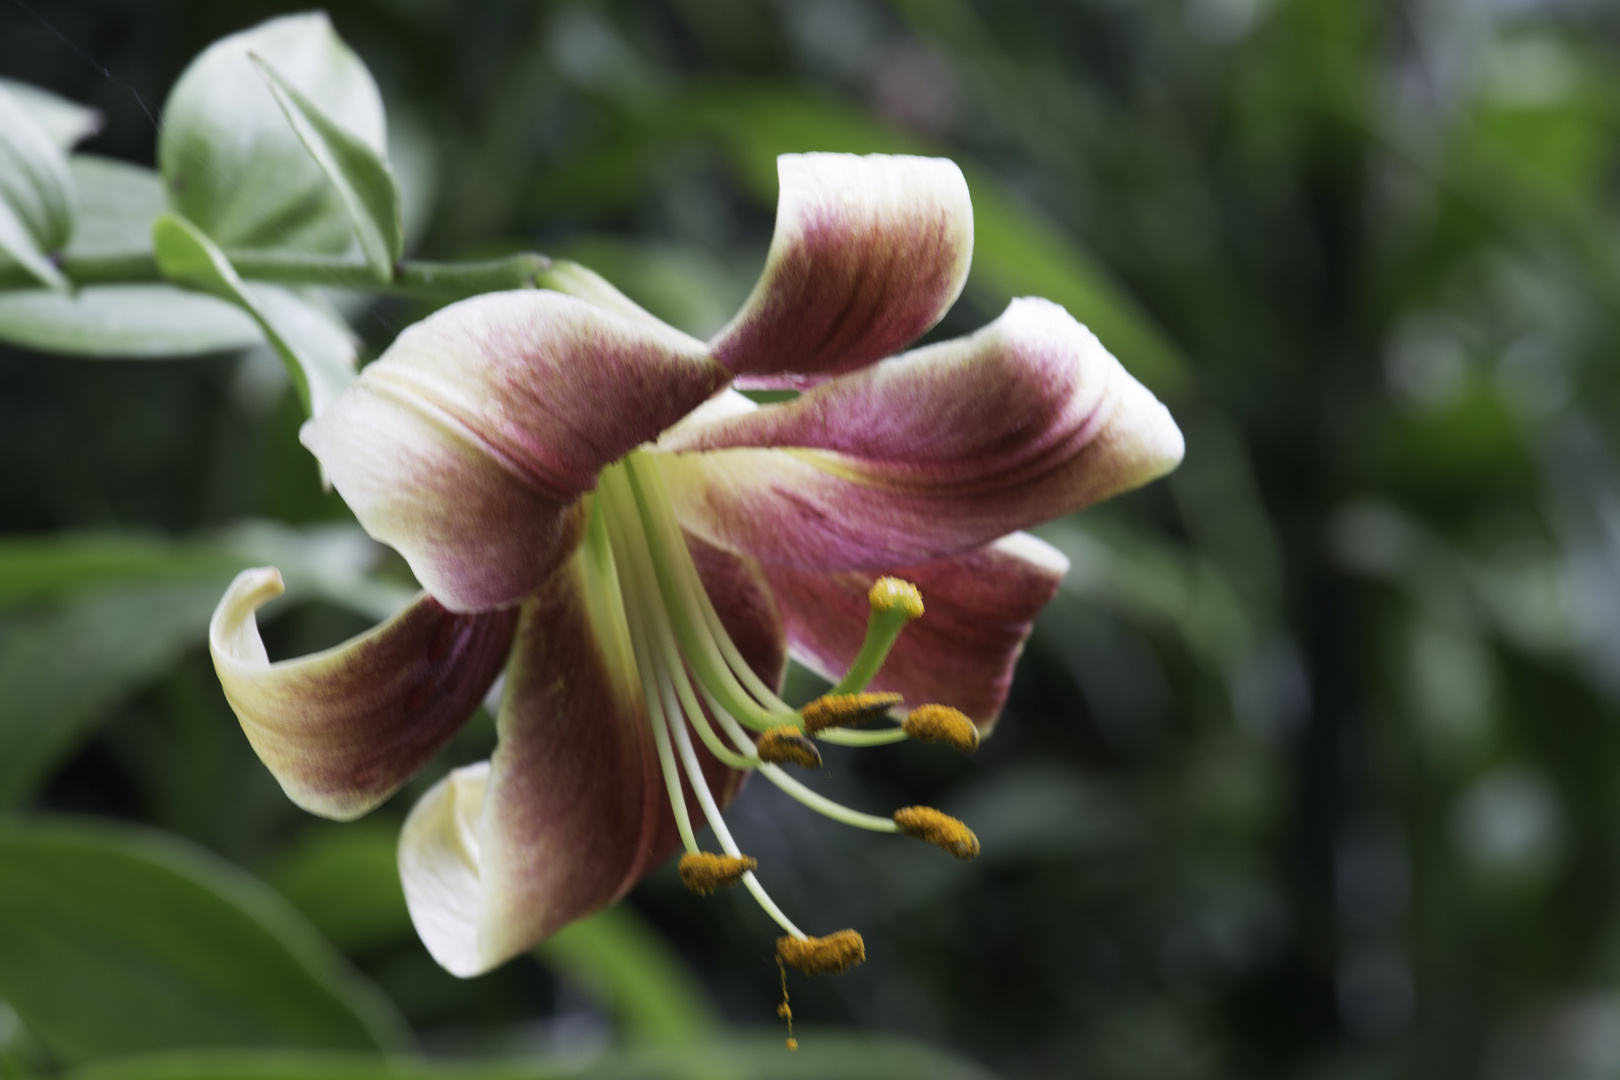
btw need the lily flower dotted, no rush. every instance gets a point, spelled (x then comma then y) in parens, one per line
(591, 506)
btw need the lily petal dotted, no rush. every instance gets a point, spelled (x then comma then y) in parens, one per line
(979, 608)
(869, 252)
(571, 812)
(927, 454)
(467, 444)
(341, 730)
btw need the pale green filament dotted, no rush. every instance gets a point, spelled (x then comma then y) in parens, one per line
(645, 470)
(663, 647)
(711, 810)
(649, 692)
(696, 645)
(814, 800)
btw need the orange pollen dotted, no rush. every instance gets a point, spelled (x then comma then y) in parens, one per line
(891, 594)
(704, 872)
(830, 955)
(942, 724)
(846, 710)
(788, 744)
(941, 830)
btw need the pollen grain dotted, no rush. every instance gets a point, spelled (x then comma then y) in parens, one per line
(704, 872)
(788, 744)
(830, 955)
(941, 830)
(846, 710)
(942, 724)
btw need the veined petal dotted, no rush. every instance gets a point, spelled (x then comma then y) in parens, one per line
(561, 820)
(467, 444)
(572, 811)
(927, 454)
(343, 729)
(979, 607)
(869, 252)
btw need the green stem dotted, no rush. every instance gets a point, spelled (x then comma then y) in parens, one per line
(429, 280)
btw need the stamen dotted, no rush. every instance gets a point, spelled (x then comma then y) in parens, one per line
(846, 710)
(941, 830)
(788, 744)
(830, 955)
(789, 786)
(894, 603)
(705, 872)
(942, 724)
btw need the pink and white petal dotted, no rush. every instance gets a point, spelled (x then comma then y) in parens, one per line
(869, 253)
(467, 444)
(978, 609)
(561, 820)
(341, 730)
(572, 810)
(931, 453)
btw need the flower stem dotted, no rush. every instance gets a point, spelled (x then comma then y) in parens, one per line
(412, 277)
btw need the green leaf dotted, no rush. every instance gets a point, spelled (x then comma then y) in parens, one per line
(318, 351)
(36, 194)
(360, 174)
(761, 1056)
(231, 162)
(635, 973)
(118, 941)
(345, 880)
(117, 204)
(87, 620)
(141, 321)
(66, 123)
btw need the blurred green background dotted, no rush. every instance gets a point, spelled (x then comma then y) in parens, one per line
(1310, 771)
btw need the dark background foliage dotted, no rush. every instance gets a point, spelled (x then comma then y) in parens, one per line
(1309, 771)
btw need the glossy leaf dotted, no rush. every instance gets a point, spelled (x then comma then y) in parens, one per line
(117, 204)
(318, 352)
(138, 321)
(36, 194)
(232, 163)
(361, 175)
(116, 940)
(66, 123)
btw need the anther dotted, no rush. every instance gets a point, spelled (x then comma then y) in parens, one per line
(785, 743)
(891, 594)
(830, 955)
(941, 830)
(846, 710)
(942, 724)
(704, 872)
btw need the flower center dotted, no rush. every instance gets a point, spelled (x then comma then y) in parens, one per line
(694, 680)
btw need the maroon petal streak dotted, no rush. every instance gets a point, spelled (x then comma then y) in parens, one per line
(467, 444)
(924, 455)
(869, 252)
(343, 729)
(978, 609)
(569, 810)
(572, 810)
